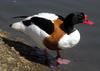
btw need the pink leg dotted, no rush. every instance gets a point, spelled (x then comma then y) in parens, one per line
(60, 60)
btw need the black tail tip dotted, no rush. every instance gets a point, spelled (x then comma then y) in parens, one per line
(20, 17)
(10, 25)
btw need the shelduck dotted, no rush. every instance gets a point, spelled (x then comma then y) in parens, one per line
(52, 31)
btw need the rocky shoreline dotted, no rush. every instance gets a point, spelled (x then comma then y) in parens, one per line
(17, 56)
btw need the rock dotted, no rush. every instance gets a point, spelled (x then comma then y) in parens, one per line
(3, 33)
(16, 56)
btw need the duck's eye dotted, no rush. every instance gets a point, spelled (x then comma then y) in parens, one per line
(80, 16)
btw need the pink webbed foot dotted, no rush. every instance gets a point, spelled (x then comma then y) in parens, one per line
(62, 61)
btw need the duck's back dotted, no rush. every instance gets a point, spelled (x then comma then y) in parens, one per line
(44, 25)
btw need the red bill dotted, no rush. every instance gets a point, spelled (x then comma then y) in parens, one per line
(87, 21)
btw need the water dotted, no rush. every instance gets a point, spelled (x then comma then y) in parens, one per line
(85, 56)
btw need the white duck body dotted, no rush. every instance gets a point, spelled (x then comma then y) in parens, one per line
(68, 41)
(38, 35)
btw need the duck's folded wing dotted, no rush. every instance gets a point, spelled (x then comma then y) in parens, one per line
(44, 24)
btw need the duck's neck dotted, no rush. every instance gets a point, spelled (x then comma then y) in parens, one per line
(68, 27)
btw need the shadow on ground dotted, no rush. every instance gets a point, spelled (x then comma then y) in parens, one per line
(33, 54)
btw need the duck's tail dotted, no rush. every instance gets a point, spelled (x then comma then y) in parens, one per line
(20, 17)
